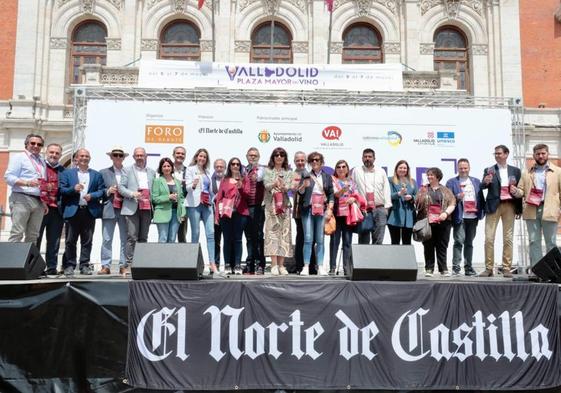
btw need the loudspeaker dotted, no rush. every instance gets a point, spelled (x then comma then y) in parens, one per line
(549, 267)
(383, 263)
(20, 261)
(167, 261)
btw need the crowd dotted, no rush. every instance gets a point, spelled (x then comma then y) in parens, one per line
(259, 201)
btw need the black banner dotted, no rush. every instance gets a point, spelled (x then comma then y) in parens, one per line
(342, 335)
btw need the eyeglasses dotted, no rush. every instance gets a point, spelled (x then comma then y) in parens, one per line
(39, 144)
(118, 155)
(235, 164)
(280, 155)
(341, 167)
(315, 159)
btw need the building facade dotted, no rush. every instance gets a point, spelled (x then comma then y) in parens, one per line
(469, 46)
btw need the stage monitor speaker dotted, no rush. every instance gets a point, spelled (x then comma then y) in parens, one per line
(20, 261)
(549, 267)
(383, 263)
(167, 261)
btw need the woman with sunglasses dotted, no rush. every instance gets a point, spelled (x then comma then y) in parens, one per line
(317, 206)
(345, 193)
(168, 202)
(232, 213)
(403, 190)
(277, 180)
(198, 202)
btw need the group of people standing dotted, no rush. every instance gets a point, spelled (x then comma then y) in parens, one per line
(259, 201)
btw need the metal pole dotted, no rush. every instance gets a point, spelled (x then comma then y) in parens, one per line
(272, 35)
(213, 35)
(329, 37)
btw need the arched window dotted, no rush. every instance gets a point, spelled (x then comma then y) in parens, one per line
(362, 43)
(451, 53)
(180, 40)
(261, 44)
(88, 47)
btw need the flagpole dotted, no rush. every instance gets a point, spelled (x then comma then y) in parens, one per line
(329, 38)
(213, 35)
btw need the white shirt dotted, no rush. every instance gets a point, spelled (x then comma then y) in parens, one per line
(373, 181)
(318, 183)
(142, 175)
(178, 173)
(84, 179)
(503, 173)
(118, 174)
(469, 194)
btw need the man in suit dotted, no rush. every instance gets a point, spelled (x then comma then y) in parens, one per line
(112, 212)
(135, 186)
(216, 178)
(469, 210)
(82, 190)
(500, 180)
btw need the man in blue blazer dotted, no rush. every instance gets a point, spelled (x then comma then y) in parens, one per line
(500, 180)
(82, 190)
(470, 205)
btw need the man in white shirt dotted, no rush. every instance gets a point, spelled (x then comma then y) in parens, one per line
(135, 187)
(372, 183)
(179, 154)
(24, 174)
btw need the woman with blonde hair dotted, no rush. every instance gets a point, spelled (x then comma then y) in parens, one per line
(402, 214)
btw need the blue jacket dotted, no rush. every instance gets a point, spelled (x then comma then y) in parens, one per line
(402, 213)
(454, 185)
(71, 198)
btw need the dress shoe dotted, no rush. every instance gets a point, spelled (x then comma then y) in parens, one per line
(507, 273)
(123, 271)
(486, 273)
(104, 270)
(51, 272)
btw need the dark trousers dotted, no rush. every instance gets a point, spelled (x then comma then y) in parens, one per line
(342, 231)
(377, 234)
(400, 235)
(138, 226)
(464, 233)
(299, 249)
(254, 237)
(232, 229)
(182, 232)
(217, 245)
(438, 244)
(82, 226)
(52, 224)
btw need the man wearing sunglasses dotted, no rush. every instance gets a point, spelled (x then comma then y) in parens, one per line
(112, 212)
(24, 174)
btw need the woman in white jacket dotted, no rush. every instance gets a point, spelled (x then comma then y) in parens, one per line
(199, 201)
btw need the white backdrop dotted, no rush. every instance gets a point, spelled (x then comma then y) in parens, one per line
(425, 137)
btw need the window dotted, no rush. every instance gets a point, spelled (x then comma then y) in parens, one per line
(362, 44)
(261, 44)
(450, 53)
(88, 47)
(180, 40)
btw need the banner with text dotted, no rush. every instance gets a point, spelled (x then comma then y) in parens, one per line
(342, 335)
(255, 76)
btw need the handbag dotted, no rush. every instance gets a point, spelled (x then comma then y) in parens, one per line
(421, 230)
(330, 226)
(366, 225)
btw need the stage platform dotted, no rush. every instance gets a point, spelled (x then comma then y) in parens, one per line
(71, 335)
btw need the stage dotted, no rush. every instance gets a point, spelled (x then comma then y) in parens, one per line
(73, 334)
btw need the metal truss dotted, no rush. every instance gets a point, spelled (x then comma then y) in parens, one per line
(313, 97)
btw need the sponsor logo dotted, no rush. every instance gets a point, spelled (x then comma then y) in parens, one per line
(264, 136)
(215, 130)
(393, 138)
(331, 133)
(445, 138)
(163, 134)
(280, 75)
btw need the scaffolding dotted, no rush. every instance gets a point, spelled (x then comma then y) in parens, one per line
(315, 97)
